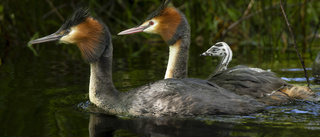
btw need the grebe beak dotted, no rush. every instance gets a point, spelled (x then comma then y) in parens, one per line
(133, 30)
(203, 54)
(52, 37)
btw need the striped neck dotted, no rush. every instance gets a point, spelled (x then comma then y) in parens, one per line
(222, 50)
(226, 57)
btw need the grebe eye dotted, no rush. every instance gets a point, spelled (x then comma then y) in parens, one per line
(151, 23)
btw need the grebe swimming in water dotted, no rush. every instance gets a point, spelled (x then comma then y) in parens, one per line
(254, 82)
(173, 27)
(163, 98)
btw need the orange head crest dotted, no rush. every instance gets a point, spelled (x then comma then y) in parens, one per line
(84, 31)
(165, 21)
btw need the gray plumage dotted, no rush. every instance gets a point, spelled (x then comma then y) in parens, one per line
(242, 80)
(163, 98)
(169, 97)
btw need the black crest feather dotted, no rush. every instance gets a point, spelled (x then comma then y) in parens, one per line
(159, 11)
(78, 17)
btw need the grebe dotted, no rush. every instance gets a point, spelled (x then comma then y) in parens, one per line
(254, 82)
(173, 27)
(163, 98)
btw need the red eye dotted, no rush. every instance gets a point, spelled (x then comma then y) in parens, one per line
(151, 23)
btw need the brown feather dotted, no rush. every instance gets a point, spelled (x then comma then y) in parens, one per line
(169, 20)
(298, 92)
(88, 37)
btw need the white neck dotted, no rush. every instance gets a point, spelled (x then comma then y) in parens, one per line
(178, 59)
(227, 59)
(173, 53)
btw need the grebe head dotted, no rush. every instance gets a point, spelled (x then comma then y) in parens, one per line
(164, 21)
(220, 49)
(172, 25)
(83, 30)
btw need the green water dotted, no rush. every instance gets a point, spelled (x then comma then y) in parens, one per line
(43, 95)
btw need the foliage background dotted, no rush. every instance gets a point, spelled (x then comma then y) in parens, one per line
(262, 26)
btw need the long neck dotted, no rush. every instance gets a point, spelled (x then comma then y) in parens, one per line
(221, 67)
(101, 88)
(178, 60)
(179, 51)
(225, 60)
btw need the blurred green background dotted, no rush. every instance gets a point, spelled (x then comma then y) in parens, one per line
(249, 23)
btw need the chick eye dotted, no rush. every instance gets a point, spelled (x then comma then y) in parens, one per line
(151, 23)
(67, 31)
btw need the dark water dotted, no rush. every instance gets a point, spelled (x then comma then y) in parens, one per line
(44, 95)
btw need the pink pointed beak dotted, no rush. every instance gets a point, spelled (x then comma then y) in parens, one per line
(133, 30)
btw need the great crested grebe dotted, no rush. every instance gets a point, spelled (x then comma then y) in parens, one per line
(173, 27)
(169, 97)
(254, 82)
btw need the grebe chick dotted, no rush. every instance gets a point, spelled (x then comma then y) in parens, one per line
(164, 98)
(254, 82)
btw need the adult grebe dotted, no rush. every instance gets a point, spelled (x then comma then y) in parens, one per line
(174, 28)
(254, 82)
(170, 97)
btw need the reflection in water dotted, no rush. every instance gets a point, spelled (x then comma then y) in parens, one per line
(295, 69)
(297, 79)
(294, 119)
(103, 125)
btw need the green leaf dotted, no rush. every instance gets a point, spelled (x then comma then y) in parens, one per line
(36, 35)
